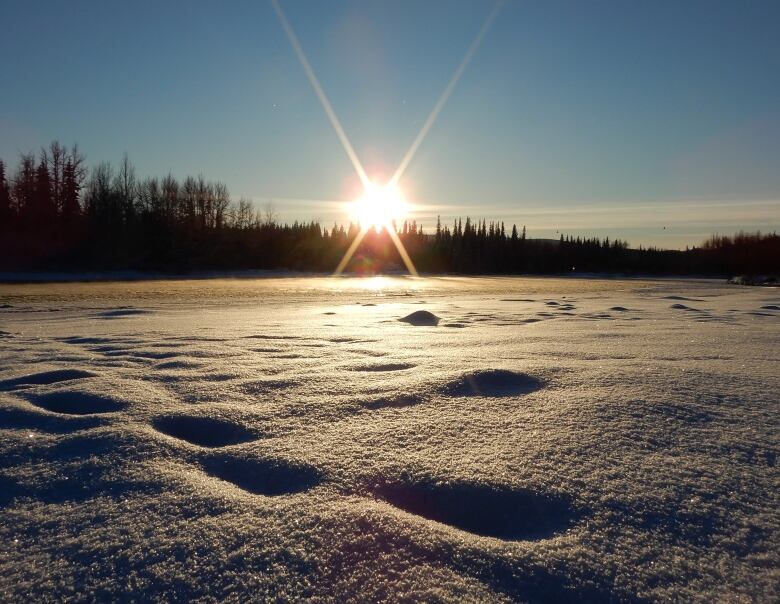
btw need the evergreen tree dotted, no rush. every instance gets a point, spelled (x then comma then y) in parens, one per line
(164, 224)
(5, 199)
(24, 185)
(43, 211)
(71, 188)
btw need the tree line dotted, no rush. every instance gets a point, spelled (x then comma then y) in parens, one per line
(58, 214)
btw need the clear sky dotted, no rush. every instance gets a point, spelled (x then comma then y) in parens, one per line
(607, 118)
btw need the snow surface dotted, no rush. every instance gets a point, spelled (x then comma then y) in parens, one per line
(289, 439)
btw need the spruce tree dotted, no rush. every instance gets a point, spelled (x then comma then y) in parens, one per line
(70, 193)
(43, 190)
(5, 199)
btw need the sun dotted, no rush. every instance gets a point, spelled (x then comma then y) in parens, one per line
(379, 206)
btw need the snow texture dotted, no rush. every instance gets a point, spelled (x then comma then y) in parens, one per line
(318, 439)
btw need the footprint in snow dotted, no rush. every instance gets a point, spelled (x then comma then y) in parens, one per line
(492, 383)
(45, 377)
(210, 432)
(395, 402)
(122, 312)
(269, 477)
(76, 403)
(381, 367)
(511, 514)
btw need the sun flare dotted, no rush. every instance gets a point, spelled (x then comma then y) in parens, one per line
(379, 206)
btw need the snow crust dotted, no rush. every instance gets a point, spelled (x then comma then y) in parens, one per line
(296, 439)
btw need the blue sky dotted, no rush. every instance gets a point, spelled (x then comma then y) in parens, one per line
(607, 118)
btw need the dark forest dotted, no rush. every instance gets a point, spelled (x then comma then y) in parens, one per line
(56, 214)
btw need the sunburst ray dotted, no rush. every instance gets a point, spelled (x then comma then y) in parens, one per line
(445, 95)
(315, 83)
(349, 149)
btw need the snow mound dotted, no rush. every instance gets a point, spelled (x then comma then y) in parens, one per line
(421, 318)
(203, 431)
(488, 511)
(493, 382)
(76, 403)
(268, 477)
(45, 377)
(682, 307)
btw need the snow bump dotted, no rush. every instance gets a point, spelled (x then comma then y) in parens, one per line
(682, 307)
(421, 318)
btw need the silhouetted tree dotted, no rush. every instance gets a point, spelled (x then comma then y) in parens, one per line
(23, 190)
(5, 199)
(114, 220)
(55, 159)
(42, 211)
(71, 189)
(125, 188)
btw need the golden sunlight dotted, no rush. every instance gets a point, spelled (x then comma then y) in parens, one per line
(379, 206)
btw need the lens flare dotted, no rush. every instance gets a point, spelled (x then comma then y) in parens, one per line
(379, 206)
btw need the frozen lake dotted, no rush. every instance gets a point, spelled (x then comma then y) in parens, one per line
(519, 439)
